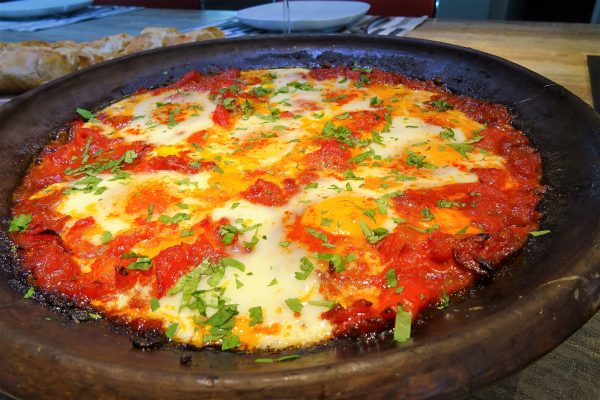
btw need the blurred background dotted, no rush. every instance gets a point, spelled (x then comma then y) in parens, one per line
(583, 11)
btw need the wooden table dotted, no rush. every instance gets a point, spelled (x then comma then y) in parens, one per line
(557, 51)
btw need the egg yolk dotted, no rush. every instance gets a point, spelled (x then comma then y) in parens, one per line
(342, 215)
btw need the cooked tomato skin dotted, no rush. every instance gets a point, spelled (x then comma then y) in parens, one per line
(175, 261)
(332, 155)
(221, 116)
(270, 194)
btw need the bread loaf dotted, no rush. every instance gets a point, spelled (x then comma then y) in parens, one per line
(25, 65)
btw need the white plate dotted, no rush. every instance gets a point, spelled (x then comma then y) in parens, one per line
(304, 15)
(39, 8)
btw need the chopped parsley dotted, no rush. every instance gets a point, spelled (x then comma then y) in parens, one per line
(187, 232)
(91, 182)
(94, 315)
(539, 233)
(349, 175)
(382, 202)
(363, 79)
(402, 325)
(256, 315)
(30, 292)
(432, 229)
(20, 223)
(342, 134)
(362, 156)
(375, 101)
(441, 105)
(462, 148)
(335, 260)
(306, 268)
(447, 134)
(391, 279)
(86, 114)
(418, 161)
(175, 219)
(150, 212)
(447, 204)
(321, 236)
(228, 233)
(170, 332)
(260, 90)
(105, 237)
(323, 303)
(375, 235)
(444, 300)
(294, 304)
(289, 357)
(141, 262)
(427, 215)
(301, 86)
(335, 98)
(463, 230)
(230, 342)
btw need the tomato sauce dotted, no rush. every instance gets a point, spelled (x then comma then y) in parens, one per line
(418, 266)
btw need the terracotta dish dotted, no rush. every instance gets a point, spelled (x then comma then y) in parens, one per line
(540, 298)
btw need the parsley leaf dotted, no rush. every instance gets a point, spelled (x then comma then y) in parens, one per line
(416, 160)
(278, 359)
(256, 315)
(88, 115)
(306, 268)
(141, 263)
(375, 101)
(427, 214)
(349, 175)
(30, 292)
(294, 304)
(321, 236)
(323, 303)
(335, 260)
(175, 219)
(462, 148)
(105, 237)
(362, 156)
(230, 342)
(402, 325)
(447, 134)
(440, 105)
(539, 233)
(373, 236)
(391, 278)
(447, 204)
(342, 134)
(154, 304)
(170, 332)
(20, 223)
(444, 300)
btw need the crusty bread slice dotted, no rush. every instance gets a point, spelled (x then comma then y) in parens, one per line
(103, 49)
(26, 65)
